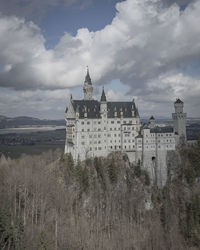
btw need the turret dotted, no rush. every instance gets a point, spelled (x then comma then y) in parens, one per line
(87, 88)
(179, 119)
(152, 123)
(178, 105)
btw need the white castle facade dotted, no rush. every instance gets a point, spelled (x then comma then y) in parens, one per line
(97, 128)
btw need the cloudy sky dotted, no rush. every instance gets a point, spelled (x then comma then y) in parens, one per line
(148, 50)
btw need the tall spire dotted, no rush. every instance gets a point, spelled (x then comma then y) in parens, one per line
(103, 96)
(87, 77)
(87, 88)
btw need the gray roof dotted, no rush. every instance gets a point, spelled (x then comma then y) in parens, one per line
(92, 107)
(125, 107)
(162, 130)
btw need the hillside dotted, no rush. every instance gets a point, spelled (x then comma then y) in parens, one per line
(48, 202)
(6, 122)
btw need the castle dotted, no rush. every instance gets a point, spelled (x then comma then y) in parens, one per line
(97, 128)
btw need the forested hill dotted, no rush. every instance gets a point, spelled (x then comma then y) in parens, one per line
(48, 202)
(6, 122)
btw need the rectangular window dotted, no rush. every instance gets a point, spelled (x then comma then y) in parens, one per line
(112, 122)
(99, 122)
(82, 123)
(118, 122)
(88, 122)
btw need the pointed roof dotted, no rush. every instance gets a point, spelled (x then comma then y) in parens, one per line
(103, 96)
(152, 118)
(178, 101)
(87, 77)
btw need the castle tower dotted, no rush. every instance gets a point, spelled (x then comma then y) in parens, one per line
(179, 119)
(152, 123)
(103, 105)
(87, 88)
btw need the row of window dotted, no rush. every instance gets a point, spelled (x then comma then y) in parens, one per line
(163, 134)
(159, 146)
(107, 135)
(163, 141)
(111, 141)
(113, 148)
(111, 129)
(111, 122)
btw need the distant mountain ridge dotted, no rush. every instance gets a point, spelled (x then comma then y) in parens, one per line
(7, 122)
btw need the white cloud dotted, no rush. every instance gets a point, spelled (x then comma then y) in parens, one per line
(146, 46)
